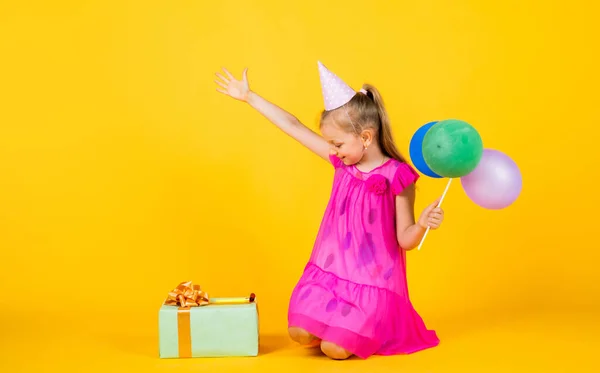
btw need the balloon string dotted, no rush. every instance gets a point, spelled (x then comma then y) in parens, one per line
(439, 204)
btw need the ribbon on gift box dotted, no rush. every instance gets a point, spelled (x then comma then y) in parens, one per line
(185, 296)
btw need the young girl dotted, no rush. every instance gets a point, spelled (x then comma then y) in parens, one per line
(352, 298)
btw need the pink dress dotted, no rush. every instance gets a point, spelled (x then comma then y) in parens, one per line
(353, 291)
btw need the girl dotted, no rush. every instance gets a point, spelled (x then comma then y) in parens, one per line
(352, 298)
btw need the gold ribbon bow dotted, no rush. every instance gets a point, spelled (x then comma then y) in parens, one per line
(187, 294)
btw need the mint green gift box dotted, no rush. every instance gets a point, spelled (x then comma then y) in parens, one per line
(213, 330)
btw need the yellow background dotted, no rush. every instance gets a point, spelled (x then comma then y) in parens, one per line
(123, 172)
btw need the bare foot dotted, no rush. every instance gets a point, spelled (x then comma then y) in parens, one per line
(303, 337)
(334, 351)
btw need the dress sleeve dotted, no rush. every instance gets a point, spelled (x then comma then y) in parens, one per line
(404, 176)
(337, 163)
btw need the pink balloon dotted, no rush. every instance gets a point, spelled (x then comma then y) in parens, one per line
(496, 181)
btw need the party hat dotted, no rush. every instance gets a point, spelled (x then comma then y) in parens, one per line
(335, 92)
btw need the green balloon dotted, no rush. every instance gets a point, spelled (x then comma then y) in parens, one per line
(452, 148)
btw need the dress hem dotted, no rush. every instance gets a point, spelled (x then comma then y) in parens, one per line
(356, 344)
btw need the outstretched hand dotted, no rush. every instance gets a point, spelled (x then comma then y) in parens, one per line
(432, 216)
(238, 89)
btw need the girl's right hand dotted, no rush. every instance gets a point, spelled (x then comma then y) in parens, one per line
(238, 89)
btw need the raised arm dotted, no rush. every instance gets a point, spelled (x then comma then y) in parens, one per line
(240, 90)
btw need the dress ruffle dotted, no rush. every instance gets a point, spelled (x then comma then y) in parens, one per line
(362, 319)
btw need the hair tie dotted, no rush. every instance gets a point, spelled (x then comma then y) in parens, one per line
(363, 91)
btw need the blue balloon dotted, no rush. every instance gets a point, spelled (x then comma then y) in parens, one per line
(416, 151)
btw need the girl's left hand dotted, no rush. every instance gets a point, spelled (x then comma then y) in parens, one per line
(432, 216)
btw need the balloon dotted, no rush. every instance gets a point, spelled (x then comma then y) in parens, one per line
(496, 181)
(416, 151)
(452, 148)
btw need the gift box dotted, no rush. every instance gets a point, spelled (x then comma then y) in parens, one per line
(193, 325)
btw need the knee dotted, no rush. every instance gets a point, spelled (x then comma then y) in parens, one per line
(301, 336)
(334, 351)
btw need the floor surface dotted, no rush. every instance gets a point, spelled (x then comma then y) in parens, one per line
(536, 342)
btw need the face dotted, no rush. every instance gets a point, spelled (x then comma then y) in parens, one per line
(348, 147)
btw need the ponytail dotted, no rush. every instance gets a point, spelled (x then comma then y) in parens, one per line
(386, 140)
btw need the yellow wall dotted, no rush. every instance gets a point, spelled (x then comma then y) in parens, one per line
(123, 171)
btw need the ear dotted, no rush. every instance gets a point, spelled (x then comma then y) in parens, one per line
(367, 136)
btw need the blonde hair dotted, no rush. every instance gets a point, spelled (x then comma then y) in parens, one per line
(366, 110)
